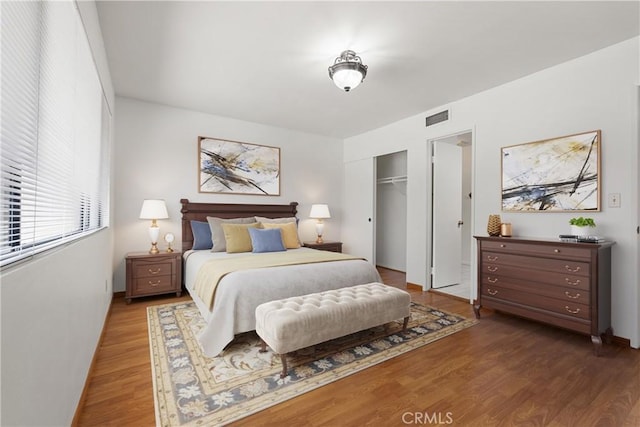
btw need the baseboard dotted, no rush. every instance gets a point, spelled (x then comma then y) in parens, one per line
(414, 286)
(391, 269)
(87, 381)
(622, 342)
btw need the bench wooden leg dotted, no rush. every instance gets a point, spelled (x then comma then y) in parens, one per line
(283, 358)
(405, 323)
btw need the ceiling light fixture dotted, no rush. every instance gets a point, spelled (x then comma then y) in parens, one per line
(347, 72)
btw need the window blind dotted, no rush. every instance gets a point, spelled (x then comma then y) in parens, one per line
(54, 130)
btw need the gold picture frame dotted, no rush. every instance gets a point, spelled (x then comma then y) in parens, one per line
(553, 175)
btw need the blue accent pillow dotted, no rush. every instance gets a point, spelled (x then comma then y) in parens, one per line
(266, 240)
(201, 235)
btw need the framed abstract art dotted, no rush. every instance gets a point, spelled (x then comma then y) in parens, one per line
(554, 175)
(238, 167)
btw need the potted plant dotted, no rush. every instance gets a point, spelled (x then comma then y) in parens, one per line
(582, 226)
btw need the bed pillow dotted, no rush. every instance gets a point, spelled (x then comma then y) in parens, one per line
(286, 220)
(237, 236)
(217, 234)
(201, 235)
(289, 233)
(266, 240)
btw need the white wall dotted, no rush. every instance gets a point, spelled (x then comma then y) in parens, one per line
(156, 156)
(53, 308)
(597, 91)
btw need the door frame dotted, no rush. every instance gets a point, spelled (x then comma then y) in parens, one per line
(472, 251)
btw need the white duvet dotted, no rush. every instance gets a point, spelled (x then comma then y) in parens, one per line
(239, 293)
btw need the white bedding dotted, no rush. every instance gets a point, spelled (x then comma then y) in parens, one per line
(239, 293)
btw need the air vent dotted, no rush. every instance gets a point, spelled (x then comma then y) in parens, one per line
(442, 116)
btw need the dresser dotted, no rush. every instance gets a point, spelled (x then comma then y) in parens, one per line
(153, 274)
(562, 284)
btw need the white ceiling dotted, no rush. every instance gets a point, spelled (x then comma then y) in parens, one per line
(266, 62)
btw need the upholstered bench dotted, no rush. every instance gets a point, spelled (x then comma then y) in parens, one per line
(298, 322)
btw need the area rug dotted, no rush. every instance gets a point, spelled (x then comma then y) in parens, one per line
(191, 389)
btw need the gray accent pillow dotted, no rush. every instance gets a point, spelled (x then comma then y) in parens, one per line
(217, 233)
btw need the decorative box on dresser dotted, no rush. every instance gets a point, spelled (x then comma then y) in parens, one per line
(157, 274)
(563, 284)
(325, 246)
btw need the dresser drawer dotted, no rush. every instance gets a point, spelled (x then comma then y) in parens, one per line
(153, 269)
(580, 296)
(491, 272)
(150, 285)
(567, 308)
(555, 250)
(496, 259)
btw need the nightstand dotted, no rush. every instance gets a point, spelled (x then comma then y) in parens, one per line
(326, 246)
(153, 274)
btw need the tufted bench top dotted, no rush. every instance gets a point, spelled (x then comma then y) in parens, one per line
(297, 322)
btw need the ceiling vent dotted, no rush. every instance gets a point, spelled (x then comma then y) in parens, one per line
(442, 116)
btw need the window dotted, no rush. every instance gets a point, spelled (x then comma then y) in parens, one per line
(54, 131)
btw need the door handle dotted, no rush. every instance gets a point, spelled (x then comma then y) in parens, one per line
(460, 223)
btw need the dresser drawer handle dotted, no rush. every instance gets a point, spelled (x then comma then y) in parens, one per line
(556, 251)
(156, 283)
(576, 311)
(492, 258)
(492, 268)
(492, 280)
(576, 296)
(573, 270)
(156, 271)
(503, 246)
(491, 291)
(572, 282)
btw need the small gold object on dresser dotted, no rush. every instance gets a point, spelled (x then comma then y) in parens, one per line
(153, 274)
(493, 227)
(324, 246)
(505, 229)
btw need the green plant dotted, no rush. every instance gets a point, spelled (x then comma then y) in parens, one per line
(582, 222)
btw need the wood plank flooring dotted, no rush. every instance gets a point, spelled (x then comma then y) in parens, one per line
(502, 371)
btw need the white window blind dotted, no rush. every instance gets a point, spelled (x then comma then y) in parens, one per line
(54, 130)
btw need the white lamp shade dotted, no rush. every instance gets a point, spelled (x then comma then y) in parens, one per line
(319, 211)
(154, 209)
(347, 79)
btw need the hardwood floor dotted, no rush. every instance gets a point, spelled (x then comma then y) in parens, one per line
(502, 371)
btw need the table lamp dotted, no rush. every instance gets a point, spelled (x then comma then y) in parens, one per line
(319, 212)
(154, 210)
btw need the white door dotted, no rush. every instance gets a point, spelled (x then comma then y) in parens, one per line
(447, 214)
(358, 221)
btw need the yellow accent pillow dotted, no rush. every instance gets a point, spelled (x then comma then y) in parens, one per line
(289, 233)
(237, 237)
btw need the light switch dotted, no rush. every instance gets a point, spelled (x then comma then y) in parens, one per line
(614, 200)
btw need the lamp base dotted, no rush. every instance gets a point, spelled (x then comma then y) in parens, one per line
(319, 240)
(154, 249)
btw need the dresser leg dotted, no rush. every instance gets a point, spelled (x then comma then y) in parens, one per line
(476, 310)
(597, 344)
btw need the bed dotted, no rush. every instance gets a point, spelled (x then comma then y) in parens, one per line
(239, 293)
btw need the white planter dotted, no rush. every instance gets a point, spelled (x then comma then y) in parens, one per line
(583, 231)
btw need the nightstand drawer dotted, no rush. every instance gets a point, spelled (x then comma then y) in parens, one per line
(149, 285)
(153, 269)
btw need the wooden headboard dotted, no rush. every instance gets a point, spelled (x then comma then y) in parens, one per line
(200, 211)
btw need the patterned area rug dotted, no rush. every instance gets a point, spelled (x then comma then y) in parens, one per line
(191, 389)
